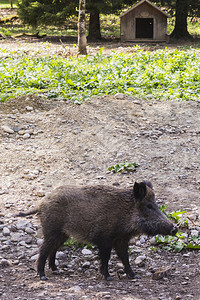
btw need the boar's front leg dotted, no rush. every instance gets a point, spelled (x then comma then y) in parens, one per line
(121, 247)
(105, 248)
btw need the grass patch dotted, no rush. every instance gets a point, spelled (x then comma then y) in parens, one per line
(161, 74)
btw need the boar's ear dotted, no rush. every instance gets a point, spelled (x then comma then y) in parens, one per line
(139, 190)
(148, 183)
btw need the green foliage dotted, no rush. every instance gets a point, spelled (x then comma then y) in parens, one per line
(176, 216)
(181, 240)
(124, 167)
(41, 12)
(163, 74)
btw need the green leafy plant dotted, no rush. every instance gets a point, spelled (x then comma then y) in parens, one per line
(176, 216)
(181, 240)
(163, 74)
(124, 167)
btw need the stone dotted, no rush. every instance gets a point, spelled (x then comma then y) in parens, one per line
(86, 252)
(6, 231)
(22, 224)
(60, 254)
(140, 259)
(7, 129)
(86, 265)
(26, 136)
(75, 289)
(4, 263)
(120, 96)
(29, 230)
(29, 108)
(34, 257)
(16, 237)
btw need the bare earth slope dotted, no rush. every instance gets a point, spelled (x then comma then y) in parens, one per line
(56, 143)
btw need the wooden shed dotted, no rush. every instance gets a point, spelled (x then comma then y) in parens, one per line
(143, 22)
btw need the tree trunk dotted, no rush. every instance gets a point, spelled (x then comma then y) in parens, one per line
(180, 30)
(11, 3)
(82, 42)
(94, 26)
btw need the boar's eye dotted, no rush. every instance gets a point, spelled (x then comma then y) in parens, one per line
(150, 206)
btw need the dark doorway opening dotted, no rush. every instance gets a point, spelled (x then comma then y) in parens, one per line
(144, 28)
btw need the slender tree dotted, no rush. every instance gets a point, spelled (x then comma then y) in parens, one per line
(82, 42)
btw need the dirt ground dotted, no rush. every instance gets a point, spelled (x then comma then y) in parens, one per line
(54, 142)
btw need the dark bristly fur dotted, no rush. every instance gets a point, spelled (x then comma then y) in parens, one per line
(105, 216)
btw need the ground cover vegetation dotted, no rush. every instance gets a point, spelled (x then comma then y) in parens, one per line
(162, 74)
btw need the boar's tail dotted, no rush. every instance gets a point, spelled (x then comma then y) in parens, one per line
(28, 213)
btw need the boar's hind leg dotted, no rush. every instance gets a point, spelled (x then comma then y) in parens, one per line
(104, 254)
(58, 242)
(121, 247)
(49, 247)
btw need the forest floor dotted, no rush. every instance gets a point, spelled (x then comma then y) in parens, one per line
(47, 143)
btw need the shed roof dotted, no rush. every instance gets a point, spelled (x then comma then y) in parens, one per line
(140, 3)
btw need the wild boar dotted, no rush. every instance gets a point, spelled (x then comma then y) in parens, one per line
(106, 216)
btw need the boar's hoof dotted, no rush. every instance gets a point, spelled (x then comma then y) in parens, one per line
(109, 278)
(43, 278)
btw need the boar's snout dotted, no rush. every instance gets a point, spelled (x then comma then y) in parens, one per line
(173, 231)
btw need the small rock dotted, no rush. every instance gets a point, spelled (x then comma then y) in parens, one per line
(120, 266)
(120, 96)
(6, 231)
(22, 224)
(143, 239)
(86, 252)
(29, 108)
(7, 129)
(116, 183)
(21, 132)
(153, 240)
(29, 230)
(16, 237)
(26, 136)
(140, 259)
(16, 129)
(39, 242)
(75, 289)
(34, 257)
(86, 265)
(4, 263)
(60, 254)
(40, 194)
